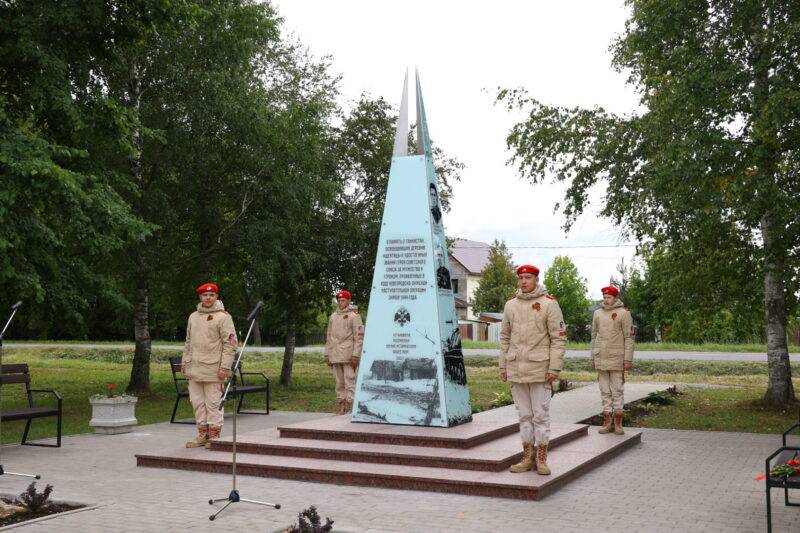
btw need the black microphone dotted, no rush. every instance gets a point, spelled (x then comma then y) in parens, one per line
(255, 311)
(16, 304)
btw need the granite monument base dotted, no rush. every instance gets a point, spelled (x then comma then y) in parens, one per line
(472, 458)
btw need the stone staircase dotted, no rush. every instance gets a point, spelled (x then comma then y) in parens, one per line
(472, 458)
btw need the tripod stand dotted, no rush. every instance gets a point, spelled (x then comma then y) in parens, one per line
(234, 497)
(3, 470)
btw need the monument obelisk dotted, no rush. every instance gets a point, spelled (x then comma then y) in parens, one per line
(412, 368)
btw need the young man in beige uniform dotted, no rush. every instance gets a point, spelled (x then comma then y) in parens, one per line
(532, 341)
(343, 345)
(207, 359)
(612, 354)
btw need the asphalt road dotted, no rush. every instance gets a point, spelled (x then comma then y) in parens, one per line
(689, 356)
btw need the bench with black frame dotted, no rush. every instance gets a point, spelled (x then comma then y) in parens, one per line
(19, 374)
(780, 456)
(242, 389)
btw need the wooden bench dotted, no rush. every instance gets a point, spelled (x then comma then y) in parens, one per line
(780, 456)
(242, 389)
(12, 374)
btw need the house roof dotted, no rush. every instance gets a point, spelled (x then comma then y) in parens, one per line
(473, 255)
(494, 317)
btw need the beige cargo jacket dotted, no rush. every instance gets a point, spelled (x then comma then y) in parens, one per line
(210, 343)
(345, 336)
(533, 337)
(612, 337)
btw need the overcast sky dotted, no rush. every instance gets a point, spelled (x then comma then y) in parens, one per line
(464, 51)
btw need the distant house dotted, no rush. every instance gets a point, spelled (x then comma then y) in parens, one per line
(490, 317)
(467, 260)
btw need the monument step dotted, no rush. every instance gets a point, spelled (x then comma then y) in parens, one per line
(567, 462)
(492, 456)
(485, 426)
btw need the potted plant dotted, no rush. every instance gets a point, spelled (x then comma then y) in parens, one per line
(113, 413)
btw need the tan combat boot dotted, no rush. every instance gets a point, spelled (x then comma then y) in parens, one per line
(339, 406)
(618, 423)
(213, 433)
(606, 427)
(201, 439)
(348, 407)
(541, 460)
(527, 461)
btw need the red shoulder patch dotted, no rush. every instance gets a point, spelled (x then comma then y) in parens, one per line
(551, 297)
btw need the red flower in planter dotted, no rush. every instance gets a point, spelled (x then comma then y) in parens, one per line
(110, 390)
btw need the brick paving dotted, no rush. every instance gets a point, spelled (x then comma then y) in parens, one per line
(673, 481)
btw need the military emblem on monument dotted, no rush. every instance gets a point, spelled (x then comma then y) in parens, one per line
(402, 316)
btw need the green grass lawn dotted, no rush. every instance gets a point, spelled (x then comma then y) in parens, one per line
(729, 409)
(127, 341)
(655, 347)
(468, 344)
(78, 373)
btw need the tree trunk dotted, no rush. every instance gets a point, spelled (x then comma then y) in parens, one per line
(256, 334)
(140, 370)
(247, 299)
(780, 390)
(288, 350)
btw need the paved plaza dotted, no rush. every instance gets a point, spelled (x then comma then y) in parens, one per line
(673, 481)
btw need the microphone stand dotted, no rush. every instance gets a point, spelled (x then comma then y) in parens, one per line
(3, 471)
(234, 497)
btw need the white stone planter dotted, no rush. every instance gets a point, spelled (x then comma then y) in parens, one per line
(113, 415)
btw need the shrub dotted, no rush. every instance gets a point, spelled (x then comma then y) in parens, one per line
(309, 521)
(501, 399)
(35, 501)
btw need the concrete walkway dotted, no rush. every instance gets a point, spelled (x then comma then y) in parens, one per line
(689, 356)
(581, 403)
(674, 481)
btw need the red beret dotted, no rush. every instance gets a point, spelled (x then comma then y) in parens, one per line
(527, 269)
(613, 291)
(343, 294)
(207, 287)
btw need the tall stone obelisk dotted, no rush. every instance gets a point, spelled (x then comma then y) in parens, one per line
(412, 368)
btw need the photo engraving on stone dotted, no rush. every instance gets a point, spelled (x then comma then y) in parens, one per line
(402, 385)
(442, 273)
(401, 370)
(454, 359)
(436, 213)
